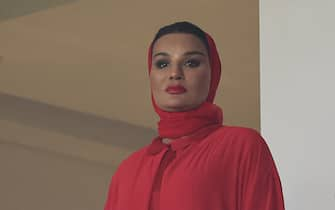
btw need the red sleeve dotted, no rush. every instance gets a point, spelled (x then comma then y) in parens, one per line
(260, 186)
(112, 194)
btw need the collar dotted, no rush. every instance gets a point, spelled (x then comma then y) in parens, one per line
(180, 143)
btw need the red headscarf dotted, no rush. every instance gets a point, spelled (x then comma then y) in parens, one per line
(178, 124)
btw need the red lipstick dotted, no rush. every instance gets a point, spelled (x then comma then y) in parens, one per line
(176, 89)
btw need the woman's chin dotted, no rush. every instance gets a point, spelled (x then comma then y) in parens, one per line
(177, 107)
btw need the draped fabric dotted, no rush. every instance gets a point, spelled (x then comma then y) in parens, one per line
(177, 124)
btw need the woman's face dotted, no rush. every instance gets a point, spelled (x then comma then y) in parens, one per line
(180, 72)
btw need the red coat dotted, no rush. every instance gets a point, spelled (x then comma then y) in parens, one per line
(230, 168)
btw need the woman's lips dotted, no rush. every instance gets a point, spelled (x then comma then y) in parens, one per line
(178, 89)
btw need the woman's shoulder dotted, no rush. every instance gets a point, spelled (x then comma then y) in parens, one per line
(134, 158)
(238, 136)
(243, 144)
(236, 131)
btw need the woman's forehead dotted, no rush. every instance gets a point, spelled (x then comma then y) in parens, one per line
(178, 43)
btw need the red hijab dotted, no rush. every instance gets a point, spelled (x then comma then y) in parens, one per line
(178, 124)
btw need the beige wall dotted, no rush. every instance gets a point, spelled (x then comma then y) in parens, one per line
(91, 55)
(38, 180)
(74, 90)
(49, 167)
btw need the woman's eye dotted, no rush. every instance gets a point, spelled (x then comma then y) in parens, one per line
(161, 64)
(192, 63)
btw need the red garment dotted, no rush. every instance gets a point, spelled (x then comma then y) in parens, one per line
(217, 168)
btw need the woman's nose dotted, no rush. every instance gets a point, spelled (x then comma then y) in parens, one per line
(176, 73)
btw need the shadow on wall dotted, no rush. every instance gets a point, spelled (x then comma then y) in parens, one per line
(73, 123)
(16, 8)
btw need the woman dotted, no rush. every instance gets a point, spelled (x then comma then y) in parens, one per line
(195, 163)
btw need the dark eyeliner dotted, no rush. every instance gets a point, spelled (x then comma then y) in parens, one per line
(160, 64)
(192, 63)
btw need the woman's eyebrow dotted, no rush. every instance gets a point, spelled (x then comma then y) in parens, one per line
(161, 53)
(185, 54)
(195, 53)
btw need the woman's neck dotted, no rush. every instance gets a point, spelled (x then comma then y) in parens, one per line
(167, 141)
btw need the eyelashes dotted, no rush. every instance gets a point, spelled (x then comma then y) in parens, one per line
(189, 63)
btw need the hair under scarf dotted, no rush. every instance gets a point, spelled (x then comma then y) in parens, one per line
(184, 123)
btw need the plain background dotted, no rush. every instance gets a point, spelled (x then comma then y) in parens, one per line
(298, 98)
(90, 56)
